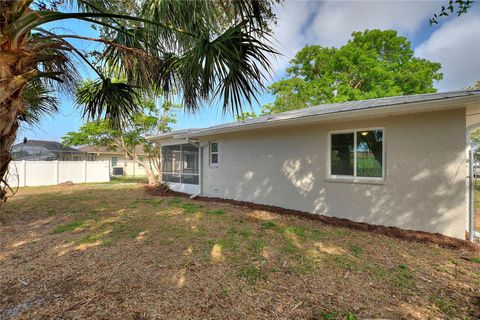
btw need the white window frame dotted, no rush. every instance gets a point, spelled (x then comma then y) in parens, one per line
(116, 162)
(354, 178)
(213, 165)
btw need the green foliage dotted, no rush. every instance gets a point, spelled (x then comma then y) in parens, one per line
(252, 274)
(298, 231)
(175, 201)
(115, 98)
(257, 245)
(39, 102)
(334, 315)
(216, 212)
(475, 139)
(194, 51)
(444, 304)
(403, 277)
(155, 202)
(189, 207)
(357, 251)
(316, 234)
(474, 259)
(146, 120)
(268, 225)
(246, 116)
(342, 262)
(125, 179)
(373, 64)
(126, 137)
(68, 227)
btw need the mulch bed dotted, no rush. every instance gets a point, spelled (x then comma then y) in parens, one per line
(410, 235)
(164, 191)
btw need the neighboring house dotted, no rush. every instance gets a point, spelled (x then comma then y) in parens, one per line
(42, 150)
(120, 165)
(398, 161)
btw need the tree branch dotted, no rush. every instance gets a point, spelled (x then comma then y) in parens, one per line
(109, 42)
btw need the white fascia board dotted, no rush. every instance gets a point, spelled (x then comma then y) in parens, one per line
(168, 136)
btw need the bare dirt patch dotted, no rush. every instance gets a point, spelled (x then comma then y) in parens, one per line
(110, 252)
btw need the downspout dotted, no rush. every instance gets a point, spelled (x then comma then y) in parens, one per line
(471, 198)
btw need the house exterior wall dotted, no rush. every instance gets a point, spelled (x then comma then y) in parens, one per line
(130, 168)
(424, 185)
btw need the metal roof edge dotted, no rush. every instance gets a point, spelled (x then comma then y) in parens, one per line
(375, 109)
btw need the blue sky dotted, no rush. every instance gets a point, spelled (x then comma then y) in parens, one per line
(455, 42)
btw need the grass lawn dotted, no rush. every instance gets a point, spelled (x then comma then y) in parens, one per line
(127, 179)
(111, 251)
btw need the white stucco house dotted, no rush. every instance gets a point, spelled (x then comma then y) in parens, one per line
(399, 161)
(120, 165)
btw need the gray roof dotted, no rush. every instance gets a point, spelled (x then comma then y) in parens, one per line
(329, 109)
(53, 146)
(96, 150)
(43, 150)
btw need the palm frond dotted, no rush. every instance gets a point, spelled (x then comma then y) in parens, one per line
(191, 16)
(201, 50)
(225, 68)
(255, 12)
(112, 100)
(55, 62)
(39, 102)
(226, 64)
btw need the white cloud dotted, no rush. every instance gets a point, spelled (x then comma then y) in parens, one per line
(456, 45)
(331, 23)
(336, 21)
(293, 17)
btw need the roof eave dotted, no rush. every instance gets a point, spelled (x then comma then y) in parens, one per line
(345, 115)
(171, 135)
(409, 107)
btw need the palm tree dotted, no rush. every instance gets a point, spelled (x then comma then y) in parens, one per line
(199, 50)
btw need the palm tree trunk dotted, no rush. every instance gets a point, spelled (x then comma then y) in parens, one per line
(11, 104)
(8, 133)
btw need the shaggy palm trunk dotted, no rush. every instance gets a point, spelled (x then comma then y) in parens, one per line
(11, 104)
(8, 133)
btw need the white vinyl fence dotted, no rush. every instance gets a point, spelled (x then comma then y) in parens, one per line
(45, 173)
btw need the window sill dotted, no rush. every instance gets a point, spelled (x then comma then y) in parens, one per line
(357, 181)
(213, 166)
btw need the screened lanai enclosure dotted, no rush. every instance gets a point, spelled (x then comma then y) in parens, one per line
(42, 150)
(180, 167)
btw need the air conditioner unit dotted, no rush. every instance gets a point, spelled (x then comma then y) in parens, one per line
(117, 171)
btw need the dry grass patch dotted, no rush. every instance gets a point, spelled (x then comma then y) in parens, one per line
(113, 251)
